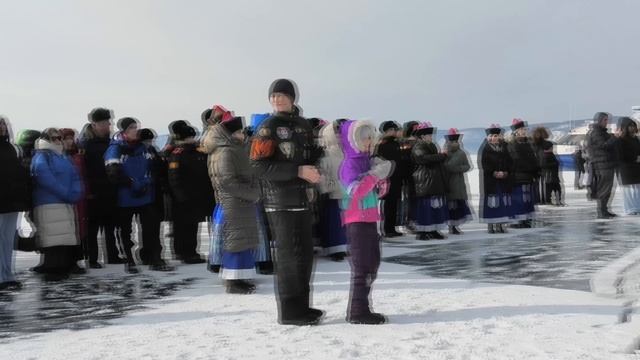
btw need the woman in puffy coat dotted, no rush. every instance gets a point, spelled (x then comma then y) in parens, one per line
(334, 238)
(432, 212)
(629, 165)
(236, 194)
(57, 188)
(456, 164)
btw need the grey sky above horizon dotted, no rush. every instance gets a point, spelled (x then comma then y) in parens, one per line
(454, 63)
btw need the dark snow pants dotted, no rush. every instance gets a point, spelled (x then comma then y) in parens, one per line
(291, 231)
(364, 251)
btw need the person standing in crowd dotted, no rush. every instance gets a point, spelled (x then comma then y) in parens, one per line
(192, 193)
(525, 170)
(57, 187)
(216, 235)
(496, 181)
(629, 165)
(407, 216)
(457, 164)
(101, 193)
(432, 212)
(284, 155)
(129, 165)
(601, 147)
(334, 238)
(549, 168)
(237, 194)
(14, 198)
(359, 177)
(579, 161)
(71, 150)
(389, 149)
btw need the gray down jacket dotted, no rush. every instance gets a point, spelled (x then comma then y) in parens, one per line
(235, 188)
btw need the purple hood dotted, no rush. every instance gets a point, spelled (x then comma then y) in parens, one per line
(356, 162)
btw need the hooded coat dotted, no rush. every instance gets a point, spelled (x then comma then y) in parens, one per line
(235, 188)
(14, 183)
(360, 175)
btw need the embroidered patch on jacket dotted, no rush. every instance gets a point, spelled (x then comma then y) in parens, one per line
(287, 149)
(262, 148)
(264, 132)
(283, 133)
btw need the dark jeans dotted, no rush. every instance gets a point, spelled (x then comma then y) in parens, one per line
(604, 186)
(101, 217)
(364, 248)
(149, 221)
(293, 262)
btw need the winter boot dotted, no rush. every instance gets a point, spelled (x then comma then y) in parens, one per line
(237, 287)
(339, 256)
(437, 235)
(491, 228)
(213, 268)
(453, 230)
(131, 268)
(161, 265)
(423, 235)
(501, 228)
(367, 319)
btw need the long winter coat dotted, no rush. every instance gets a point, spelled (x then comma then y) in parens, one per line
(57, 186)
(429, 174)
(495, 159)
(235, 188)
(629, 150)
(14, 183)
(456, 164)
(525, 164)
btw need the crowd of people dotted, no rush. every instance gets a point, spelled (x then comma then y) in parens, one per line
(272, 191)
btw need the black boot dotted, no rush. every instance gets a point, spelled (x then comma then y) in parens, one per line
(131, 268)
(453, 230)
(339, 256)
(437, 235)
(238, 287)
(161, 265)
(501, 228)
(368, 319)
(423, 236)
(213, 268)
(491, 228)
(264, 268)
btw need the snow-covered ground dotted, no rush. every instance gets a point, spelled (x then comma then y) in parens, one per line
(429, 318)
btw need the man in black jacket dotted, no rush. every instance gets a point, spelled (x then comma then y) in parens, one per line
(101, 194)
(191, 191)
(283, 155)
(601, 147)
(389, 149)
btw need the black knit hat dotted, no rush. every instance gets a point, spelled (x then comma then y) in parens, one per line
(100, 114)
(232, 125)
(125, 122)
(180, 130)
(146, 134)
(388, 125)
(283, 86)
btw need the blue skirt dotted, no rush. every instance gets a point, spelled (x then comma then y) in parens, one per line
(432, 213)
(496, 208)
(459, 212)
(216, 246)
(523, 202)
(238, 265)
(332, 232)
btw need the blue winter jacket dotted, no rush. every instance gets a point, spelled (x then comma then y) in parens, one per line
(129, 166)
(56, 180)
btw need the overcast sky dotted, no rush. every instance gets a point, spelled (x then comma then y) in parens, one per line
(454, 63)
